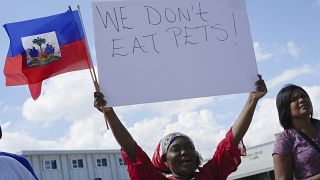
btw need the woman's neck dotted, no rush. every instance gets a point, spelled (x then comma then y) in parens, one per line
(183, 178)
(306, 126)
(178, 177)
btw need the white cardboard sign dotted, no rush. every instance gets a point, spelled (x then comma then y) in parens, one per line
(149, 51)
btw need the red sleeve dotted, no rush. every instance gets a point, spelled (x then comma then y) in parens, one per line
(225, 160)
(142, 168)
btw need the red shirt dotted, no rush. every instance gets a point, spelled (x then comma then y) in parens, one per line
(225, 160)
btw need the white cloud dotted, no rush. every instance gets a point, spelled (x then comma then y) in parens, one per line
(5, 124)
(264, 125)
(148, 132)
(18, 140)
(293, 49)
(264, 53)
(174, 107)
(261, 54)
(3, 108)
(90, 133)
(288, 75)
(314, 93)
(201, 125)
(68, 96)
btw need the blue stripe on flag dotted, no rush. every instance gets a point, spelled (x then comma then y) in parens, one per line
(67, 27)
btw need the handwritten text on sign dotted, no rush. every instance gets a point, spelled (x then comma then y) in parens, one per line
(151, 51)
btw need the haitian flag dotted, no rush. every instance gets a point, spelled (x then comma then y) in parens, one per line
(45, 47)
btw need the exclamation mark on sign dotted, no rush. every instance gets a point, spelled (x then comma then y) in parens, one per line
(235, 28)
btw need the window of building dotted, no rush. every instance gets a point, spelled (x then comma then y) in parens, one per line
(77, 163)
(101, 162)
(121, 162)
(262, 176)
(50, 164)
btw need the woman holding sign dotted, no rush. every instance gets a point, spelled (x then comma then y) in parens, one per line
(176, 155)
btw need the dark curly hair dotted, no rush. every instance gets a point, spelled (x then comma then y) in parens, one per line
(198, 159)
(283, 101)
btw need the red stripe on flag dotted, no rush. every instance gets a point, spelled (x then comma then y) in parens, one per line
(13, 71)
(73, 57)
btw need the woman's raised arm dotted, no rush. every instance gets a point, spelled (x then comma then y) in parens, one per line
(121, 134)
(242, 123)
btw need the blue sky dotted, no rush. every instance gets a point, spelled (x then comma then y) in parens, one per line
(286, 39)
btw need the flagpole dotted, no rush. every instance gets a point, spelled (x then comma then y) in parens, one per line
(92, 71)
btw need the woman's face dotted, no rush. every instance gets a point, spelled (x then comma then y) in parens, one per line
(181, 158)
(300, 104)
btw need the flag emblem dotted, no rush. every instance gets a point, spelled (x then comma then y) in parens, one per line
(41, 49)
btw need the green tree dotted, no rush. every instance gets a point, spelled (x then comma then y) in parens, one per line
(39, 41)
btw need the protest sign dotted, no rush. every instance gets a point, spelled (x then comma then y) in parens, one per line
(149, 51)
